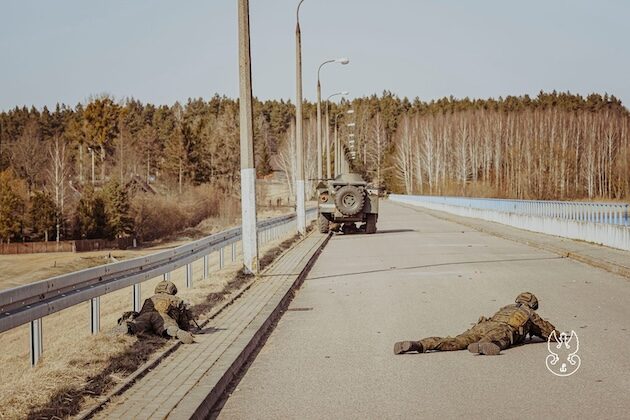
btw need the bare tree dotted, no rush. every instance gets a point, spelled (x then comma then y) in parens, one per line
(58, 173)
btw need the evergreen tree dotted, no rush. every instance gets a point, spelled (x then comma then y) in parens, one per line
(43, 214)
(11, 206)
(119, 222)
(91, 216)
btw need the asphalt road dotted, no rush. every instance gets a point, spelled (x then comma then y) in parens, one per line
(330, 355)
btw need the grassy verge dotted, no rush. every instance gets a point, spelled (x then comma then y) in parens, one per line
(77, 368)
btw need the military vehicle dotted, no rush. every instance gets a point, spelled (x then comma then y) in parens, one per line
(345, 201)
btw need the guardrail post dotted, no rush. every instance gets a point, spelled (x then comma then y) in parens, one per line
(205, 267)
(95, 314)
(221, 258)
(137, 297)
(618, 215)
(37, 342)
(233, 251)
(189, 276)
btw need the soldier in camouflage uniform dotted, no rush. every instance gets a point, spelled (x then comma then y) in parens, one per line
(508, 326)
(163, 314)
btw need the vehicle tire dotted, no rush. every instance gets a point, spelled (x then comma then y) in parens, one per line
(370, 223)
(349, 200)
(323, 224)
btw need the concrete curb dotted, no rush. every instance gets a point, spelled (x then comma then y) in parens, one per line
(205, 409)
(583, 258)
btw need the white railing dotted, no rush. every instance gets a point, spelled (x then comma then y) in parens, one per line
(31, 302)
(603, 223)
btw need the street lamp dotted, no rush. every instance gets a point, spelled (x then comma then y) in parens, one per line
(328, 169)
(300, 207)
(338, 152)
(342, 61)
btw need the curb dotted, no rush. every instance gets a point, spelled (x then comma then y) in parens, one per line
(216, 394)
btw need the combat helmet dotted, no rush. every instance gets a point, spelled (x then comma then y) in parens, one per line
(167, 287)
(529, 299)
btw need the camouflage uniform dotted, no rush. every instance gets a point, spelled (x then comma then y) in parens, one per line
(163, 314)
(510, 325)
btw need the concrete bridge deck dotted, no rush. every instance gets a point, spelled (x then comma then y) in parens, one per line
(331, 356)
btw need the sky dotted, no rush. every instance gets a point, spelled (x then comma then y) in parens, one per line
(166, 51)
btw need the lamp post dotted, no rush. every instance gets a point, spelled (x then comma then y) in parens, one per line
(342, 61)
(338, 154)
(300, 207)
(343, 161)
(328, 169)
(248, 171)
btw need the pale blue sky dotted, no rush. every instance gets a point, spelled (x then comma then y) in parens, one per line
(163, 51)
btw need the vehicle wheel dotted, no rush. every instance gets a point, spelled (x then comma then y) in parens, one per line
(370, 223)
(349, 200)
(323, 224)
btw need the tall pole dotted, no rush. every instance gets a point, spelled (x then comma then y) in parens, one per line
(300, 206)
(337, 154)
(248, 171)
(327, 125)
(327, 143)
(319, 130)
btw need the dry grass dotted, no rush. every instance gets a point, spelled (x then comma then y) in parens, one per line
(76, 366)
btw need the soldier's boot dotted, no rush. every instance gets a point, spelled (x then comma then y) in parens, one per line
(183, 336)
(407, 346)
(486, 348)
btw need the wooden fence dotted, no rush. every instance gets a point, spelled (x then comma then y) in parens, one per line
(83, 245)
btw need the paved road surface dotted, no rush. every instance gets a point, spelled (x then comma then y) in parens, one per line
(331, 355)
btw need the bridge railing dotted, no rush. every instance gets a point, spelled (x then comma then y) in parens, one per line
(602, 223)
(31, 302)
(611, 213)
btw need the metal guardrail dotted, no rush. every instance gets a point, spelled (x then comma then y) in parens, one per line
(31, 302)
(608, 213)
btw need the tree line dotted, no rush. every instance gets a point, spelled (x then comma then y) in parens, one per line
(65, 171)
(70, 171)
(555, 146)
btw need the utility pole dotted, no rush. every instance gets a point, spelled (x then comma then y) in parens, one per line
(248, 171)
(327, 125)
(337, 154)
(320, 174)
(328, 174)
(299, 141)
(343, 61)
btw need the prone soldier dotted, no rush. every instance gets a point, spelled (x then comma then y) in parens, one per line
(163, 314)
(509, 326)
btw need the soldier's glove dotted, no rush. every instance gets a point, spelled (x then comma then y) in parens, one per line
(127, 316)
